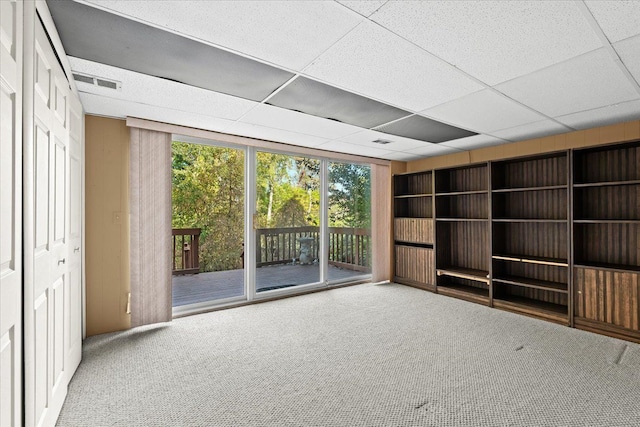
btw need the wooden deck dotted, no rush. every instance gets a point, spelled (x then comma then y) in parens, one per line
(194, 288)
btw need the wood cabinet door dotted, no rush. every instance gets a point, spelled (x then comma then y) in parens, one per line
(608, 296)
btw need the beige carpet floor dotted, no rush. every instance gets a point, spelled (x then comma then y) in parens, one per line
(366, 355)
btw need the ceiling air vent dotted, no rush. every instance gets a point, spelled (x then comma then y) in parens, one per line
(382, 141)
(97, 81)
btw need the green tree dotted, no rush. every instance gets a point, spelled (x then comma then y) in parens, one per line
(288, 190)
(349, 195)
(208, 193)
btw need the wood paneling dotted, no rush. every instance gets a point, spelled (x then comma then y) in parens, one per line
(413, 230)
(507, 291)
(420, 183)
(543, 240)
(610, 297)
(542, 204)
(605, 164)
(415, 265)
(608, 243)
(463, 244)
(615, 202)
(514, 270)
(469, 290)
(536, 172)
(472, 178)
(473, 206)
(413, 207)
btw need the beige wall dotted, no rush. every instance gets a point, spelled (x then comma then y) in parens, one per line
(621, 132)
(107, 224)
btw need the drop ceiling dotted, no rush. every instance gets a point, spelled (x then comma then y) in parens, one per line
(432, 77)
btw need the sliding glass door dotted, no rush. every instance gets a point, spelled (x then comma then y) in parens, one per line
(296, 222)
(287, 221)
(349, 218)
(208, 217)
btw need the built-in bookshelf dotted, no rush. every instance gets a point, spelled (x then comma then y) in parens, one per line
(606, 221)
(462, 217)
(553, 236)
(414, 229)
(530, 232)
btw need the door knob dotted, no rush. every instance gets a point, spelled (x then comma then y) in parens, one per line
(62, 261)
(76, 249)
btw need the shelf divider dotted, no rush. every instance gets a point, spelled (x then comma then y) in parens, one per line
(542, 188)
(527, 282)
(464, 273)
(533, 260)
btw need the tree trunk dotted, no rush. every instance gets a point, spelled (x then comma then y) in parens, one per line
(270, 207)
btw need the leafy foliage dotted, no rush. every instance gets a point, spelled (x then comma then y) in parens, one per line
(208, 193)
(349, 195)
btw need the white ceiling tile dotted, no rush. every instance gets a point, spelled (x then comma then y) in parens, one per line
(629, 51)
(483, 112)
(363, 7)
(434, 150)
(280, 118)
(402, 156)
(102, 106)
(604, 116)
(583, 83)
(398, 143)
(286, 33)
(345, 147)
(275, 135)
(532, 130)
(618, 19)
(153, 91)
(373, 61)
(493, 40)
(473, 142)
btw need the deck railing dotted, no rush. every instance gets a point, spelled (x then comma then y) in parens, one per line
(349, 248)
(186, 250)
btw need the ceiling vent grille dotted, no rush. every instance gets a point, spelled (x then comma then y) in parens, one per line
(97, 81)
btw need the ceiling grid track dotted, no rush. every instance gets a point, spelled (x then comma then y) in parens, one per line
(586, 12)
(475, 79)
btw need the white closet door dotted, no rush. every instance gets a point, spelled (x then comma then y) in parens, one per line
(49, 299)
(73, 328)
(10, 213)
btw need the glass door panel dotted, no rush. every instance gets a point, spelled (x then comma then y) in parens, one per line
(207, 223)
(287, 221)
(349, 205)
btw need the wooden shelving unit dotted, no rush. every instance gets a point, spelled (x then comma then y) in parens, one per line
(530, 231)
(553, 236)
(462, 233)
(606, 229)
(414, 230)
